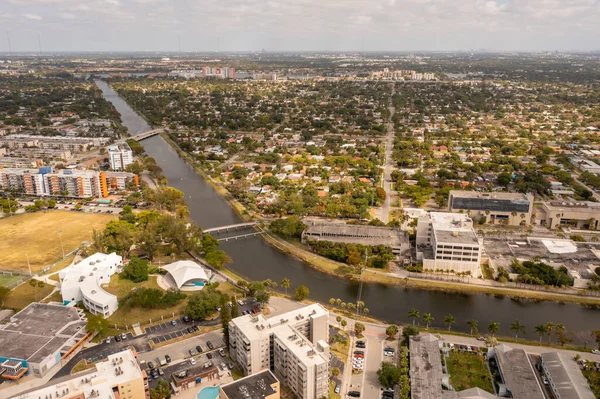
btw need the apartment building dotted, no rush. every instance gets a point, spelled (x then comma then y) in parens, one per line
(447, 241)
(513, 209)
(72, 144)
(118, 377)
(83, 282)
(119, 156)
(292, 345)
(29, 181)
(15, 162)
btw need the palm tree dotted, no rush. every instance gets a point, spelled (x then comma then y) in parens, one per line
(449, 320)
(540, 329)
(365, 311)
(473, 325)
(549, 327)
(285, 283)
(414, 314)
(518, 328)
(428, 318)
(338, 301)
(493, 327)
(331, 300)
(338, 318)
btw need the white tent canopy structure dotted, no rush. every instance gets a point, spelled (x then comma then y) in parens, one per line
(186, 273)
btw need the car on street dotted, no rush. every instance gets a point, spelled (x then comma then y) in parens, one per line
(168, 358)
(199, 348)
(209, 344)
(480, 338)
(354, 394)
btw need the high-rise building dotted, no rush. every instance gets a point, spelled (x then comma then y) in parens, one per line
(292, 345)
(118, 377)
(119, 156)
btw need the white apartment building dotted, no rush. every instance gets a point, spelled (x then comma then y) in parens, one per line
(447, 241)
(118, 377)
(119, 156)
(83, 282)
(292, 345)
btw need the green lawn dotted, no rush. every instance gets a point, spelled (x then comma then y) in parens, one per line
(8, 281)
(468, 370)
(24, 294)
(593, 378)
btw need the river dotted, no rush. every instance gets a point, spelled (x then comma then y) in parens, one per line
(254, 259)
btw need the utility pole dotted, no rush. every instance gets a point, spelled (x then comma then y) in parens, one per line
(8, 39)
(360, 285)
(61, 243)
(39, 44)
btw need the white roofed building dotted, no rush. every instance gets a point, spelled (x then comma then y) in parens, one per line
(82, 282)
(186, 275)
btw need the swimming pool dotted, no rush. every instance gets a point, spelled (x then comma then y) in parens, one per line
(208, 393)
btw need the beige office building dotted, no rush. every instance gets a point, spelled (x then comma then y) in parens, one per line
(447, 241)
(292, 345)
(513, 209)
(118, 377)
(579, 215)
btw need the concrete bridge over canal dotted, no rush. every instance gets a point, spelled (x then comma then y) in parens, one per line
(222, 229)
(147, 134)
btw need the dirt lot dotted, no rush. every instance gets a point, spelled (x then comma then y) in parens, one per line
(35, 234)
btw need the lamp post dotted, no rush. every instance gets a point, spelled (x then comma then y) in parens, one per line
(61, 243)
(28, 265)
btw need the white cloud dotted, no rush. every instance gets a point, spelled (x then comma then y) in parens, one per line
(33, 17)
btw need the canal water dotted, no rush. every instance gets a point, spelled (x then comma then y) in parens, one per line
(254, 259)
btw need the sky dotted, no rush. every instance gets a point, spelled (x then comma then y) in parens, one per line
(300, 25)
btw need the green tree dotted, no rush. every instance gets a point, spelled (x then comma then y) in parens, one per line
(209, 243)
(540, 329)
(235, 308)
(549, 328)
(217, 258)
(449, 321)
(344, 323)
(388, 374)
(136, 270)
(97, 324)
(391, 331)
(428, 319)
(225, 314)
(359, 328)
(302, 293)
(596, 335)
(414, 314)
(263, 297)
(338, 318)
(335, 371)
(408, 331)
(162, 390)
(285, 284)
(517, 328)
(493, 328)
(203, 304)
(473, 325)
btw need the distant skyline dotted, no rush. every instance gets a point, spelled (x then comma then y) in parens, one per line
(299, 25)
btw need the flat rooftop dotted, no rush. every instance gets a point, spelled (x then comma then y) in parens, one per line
(566, 376)
(454, 228)
(518, 373)
(482, 195)
(256, 386)
(425, 367)
(351, 233)
(39, 330)
(119, 368)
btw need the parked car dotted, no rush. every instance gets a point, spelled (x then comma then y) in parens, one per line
(596, 352)
(192, 361)
(173, 322)
(154, 374)
(151, 365)
(168, 358)
(161, 372)
(354, 394)
(199, 348)
(209, 355)
(186, 319)
(240, 302)
(123, 336)
(544, 380)
(221, 352)
(338, 388)
(480, 338)
(117, 338)
(209, 344)
(190, 330)
(107, 340)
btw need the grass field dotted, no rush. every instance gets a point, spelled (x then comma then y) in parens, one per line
(8, 281)
(35, 234)
(24, 294)
(468, 370)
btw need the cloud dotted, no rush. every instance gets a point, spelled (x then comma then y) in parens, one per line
(33, 17)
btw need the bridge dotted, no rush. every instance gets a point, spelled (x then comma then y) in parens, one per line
(230, 227)
(147, 134)
(241, 236)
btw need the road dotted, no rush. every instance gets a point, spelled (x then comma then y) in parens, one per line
(384, 211)
(85, 208)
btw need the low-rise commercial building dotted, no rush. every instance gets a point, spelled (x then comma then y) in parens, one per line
(119, 156)
(447, 241)
(83, 282)
(118, 377)
(585, 165)
(565, 377)
(516, 372)
(292, 345)
(426, 375)
(512, 209)
(576, 214)
(262, 385)
(38, 338)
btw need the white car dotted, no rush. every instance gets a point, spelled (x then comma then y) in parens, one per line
(596, 352)
(240, 302)
(192, 361)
